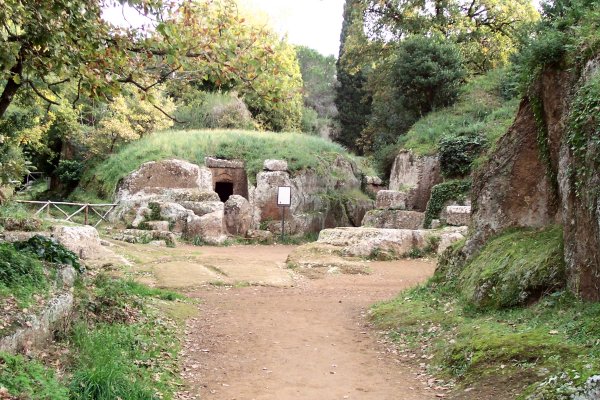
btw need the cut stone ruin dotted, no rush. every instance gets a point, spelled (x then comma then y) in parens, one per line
(403, 206)
(209, 203)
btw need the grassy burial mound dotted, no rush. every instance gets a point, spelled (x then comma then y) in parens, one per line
(300, 151)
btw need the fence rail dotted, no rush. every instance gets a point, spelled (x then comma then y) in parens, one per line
(82, 207)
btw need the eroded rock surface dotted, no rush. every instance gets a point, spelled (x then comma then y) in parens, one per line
(416, 176)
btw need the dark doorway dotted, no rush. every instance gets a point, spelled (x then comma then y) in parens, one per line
(224, 190)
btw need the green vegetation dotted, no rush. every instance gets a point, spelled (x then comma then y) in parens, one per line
(205, 110)
(319, 82)
(300, 151)
(122, 348)
(27, 379)
(480, 116)
(452, 190)
(480, 110)
(121, 345)
(583, 131)
(22, 275)
(46, 249)
(548, 346)
(515, 268)
(27, 269)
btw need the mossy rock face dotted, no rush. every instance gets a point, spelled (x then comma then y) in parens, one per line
(515, 268)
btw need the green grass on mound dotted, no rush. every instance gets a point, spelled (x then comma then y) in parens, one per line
(300, 151)
(480, 110)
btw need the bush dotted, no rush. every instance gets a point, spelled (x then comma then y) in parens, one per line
(440, 194)
(457, 153)
(49, 250)
(21, 274)
(214, 111)
(310, 121)
(69, 172)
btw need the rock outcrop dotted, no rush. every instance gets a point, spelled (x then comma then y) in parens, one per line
(416, 176)
(532, 180)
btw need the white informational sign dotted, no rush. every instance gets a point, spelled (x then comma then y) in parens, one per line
(284, 196)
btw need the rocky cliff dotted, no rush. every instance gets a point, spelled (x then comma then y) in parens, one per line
(545, 171)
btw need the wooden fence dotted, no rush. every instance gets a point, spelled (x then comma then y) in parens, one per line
(86, 208)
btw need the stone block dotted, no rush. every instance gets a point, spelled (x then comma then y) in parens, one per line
(391, 200)
(275, 165)
(394, 219)
(458, 215)
(158, 225)
(238, 215)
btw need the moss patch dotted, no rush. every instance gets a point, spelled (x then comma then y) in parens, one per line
(514, 268)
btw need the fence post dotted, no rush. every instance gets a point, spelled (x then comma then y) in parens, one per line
(48, 209)
(86, 214)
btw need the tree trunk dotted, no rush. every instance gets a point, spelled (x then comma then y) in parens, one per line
(11, 87)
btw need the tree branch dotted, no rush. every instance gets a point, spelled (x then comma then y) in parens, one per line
(40, 94)
(166, 114)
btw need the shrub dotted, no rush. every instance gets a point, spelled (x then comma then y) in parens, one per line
(440, 194)
(215, 110)
(427, 72)
(310, 121)
(49, 250)
(69, 172)
(21, 274)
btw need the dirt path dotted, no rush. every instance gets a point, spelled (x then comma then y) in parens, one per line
(309, 340)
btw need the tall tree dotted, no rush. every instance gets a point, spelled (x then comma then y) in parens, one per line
(487, 30)
(352, 99)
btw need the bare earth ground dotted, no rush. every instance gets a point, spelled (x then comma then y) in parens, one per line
(290, 337)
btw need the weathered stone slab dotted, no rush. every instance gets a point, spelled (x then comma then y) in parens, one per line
(393, 243)
(260, 236)
(394, 219)
(213, 162)
(209, 228)
(153, 176)
(158, 225)
(416, 175)
(238, 215)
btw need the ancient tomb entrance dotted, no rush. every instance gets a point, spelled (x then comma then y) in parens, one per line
(229, 177)
(224, 190)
